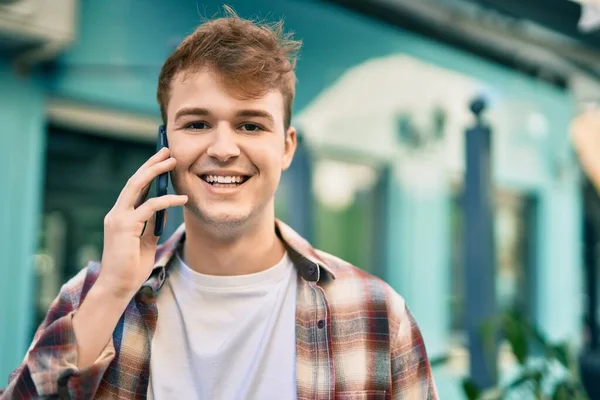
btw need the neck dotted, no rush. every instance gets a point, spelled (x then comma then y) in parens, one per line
(254, 248)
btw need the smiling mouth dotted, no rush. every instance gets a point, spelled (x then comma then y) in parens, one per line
(224, 181)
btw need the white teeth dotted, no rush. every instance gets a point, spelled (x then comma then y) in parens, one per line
(223, 179)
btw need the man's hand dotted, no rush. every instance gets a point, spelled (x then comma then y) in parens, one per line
(585, 134)
(128, 255)
(127, 258)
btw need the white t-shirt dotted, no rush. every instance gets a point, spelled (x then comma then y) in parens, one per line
(225, 337)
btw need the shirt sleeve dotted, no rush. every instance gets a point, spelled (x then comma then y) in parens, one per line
(50, 365)
(412, 377)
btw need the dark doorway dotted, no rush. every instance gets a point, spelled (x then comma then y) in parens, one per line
(84, 175)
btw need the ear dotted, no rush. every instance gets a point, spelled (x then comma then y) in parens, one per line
(290, 147)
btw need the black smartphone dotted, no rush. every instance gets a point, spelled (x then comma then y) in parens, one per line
(162, 182)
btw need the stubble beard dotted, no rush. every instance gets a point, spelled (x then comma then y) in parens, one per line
(225, 227)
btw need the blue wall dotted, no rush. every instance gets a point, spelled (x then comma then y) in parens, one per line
(21, 174)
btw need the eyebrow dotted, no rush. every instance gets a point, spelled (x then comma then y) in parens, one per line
(191, 111)
(197, 111)
(256, 113)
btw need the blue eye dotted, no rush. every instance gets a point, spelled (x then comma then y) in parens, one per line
(197, 126)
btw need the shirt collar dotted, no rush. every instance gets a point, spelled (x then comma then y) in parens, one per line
(311, 266)
(306, 258)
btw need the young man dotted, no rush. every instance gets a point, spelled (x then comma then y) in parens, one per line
(235, 305)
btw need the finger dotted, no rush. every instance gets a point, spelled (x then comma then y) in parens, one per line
(148, 234)
(142, 197)
(157, 157)
(142, 178)
(161, 155)
(146, 211)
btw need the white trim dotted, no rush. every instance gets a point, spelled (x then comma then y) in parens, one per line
(94, 120)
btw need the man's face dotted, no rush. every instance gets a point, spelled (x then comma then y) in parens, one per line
(230, 152)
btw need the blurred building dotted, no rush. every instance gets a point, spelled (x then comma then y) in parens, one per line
(377, 180)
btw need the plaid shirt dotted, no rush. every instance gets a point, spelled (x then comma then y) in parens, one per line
(355, 338)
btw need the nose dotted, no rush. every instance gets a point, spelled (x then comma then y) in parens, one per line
(224, 146)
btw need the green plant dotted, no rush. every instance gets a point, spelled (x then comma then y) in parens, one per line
(547, 371)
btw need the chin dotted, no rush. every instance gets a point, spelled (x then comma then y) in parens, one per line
(222, 219)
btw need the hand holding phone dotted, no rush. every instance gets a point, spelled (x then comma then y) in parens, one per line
(129, 249)
(128, 254)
